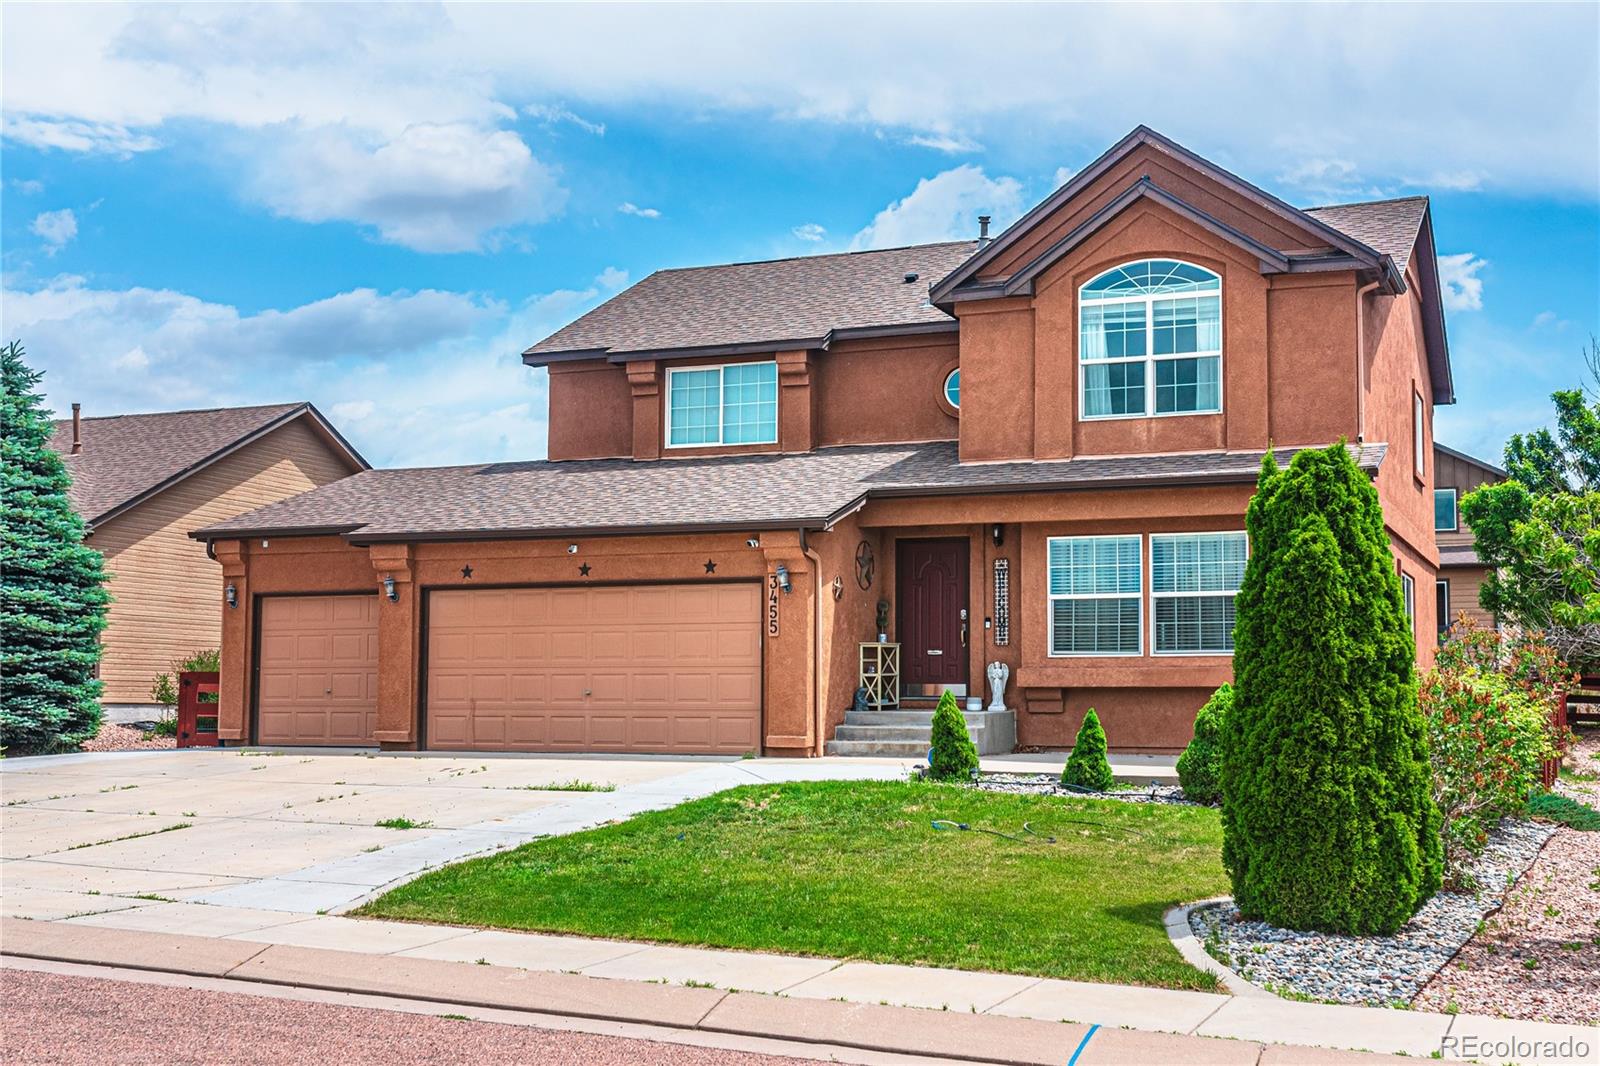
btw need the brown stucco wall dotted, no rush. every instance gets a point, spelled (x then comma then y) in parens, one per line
(591, 411)
(884, 390)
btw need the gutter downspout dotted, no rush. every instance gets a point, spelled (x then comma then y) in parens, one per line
(1361, 360)
(819, 710)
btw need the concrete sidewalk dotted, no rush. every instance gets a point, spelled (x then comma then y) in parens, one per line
(401, 958)
(943, 1034)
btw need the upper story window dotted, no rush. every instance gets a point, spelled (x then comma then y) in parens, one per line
(952, 388)
(1418, 433)
(1150, 341)
(1444, 511)
(1096, 595)
(732, 404)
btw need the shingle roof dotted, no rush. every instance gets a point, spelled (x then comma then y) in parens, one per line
(126, 457)
(732, 492)
(1387, 226)
(801, 299)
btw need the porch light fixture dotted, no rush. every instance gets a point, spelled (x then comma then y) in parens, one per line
(231, 594)
(999, 534)
(783, 578)
(390, 591)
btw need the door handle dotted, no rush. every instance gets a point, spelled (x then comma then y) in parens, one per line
(963, 634)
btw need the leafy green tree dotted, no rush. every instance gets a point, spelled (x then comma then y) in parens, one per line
(1543, 551)
(1567, 460)
(52, 586)
(954, 756)
(1087, 766)
(1200, 765)
(1327, 819)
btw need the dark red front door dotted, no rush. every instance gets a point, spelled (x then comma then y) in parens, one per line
(931, 590)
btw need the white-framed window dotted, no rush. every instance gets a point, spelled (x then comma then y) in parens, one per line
(1445, 519)
(732, 404)
(952, 388)
(1150, 341)
(1096, 588)
(1441, 593)
(1418, 433)
(1194, 578)
(1408, 592)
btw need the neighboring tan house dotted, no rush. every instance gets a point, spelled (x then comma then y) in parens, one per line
(1460, 573)
(1034, 450)
(142, 482)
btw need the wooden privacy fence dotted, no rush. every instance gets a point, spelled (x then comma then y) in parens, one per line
(197, 709)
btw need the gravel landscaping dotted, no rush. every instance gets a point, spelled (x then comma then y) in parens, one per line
(114, 737)
(1377, 971)
(1050, 785)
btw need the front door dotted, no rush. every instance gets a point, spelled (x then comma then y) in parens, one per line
(931, 590)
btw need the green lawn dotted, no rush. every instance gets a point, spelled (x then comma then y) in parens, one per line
(855, 870)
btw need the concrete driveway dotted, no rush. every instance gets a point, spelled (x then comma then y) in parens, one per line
(296, 830)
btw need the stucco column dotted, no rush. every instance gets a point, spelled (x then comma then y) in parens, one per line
(789, 663)
(644, 378)
(794, 402)
(399, 642)
(235, 673)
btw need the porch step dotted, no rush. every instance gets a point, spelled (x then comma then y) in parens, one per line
(910, 733)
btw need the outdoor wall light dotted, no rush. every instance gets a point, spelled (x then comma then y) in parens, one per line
(783, 578)
(999, 535)
(753, 542)
(390, 591)
(231, 594)
(572, 549)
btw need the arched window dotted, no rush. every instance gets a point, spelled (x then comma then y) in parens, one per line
(1150, 341)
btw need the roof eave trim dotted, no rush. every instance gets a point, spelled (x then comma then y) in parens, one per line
(211, 533)
(359, 538)
(1146, 135)
(755, 347)
(1472, 459)
(248, 439)
(1272, 260)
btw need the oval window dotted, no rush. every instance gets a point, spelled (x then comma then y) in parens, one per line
(952, 388)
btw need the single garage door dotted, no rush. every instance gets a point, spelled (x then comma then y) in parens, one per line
(318, 670)
(658, 668)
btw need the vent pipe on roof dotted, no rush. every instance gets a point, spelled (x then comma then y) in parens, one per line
(77, 428)
(983, 230)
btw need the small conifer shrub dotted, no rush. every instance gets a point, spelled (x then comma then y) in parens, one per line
(954, 756)
(1087, 766)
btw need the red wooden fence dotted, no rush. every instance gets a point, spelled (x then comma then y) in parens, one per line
(197, 709)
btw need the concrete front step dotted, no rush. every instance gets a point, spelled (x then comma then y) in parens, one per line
(910, 733)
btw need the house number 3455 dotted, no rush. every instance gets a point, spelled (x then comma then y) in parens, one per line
(772, 605)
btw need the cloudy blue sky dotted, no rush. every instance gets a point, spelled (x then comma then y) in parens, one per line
(377, 208)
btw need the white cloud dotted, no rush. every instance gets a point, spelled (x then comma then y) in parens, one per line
(551, 114)
(1548, 320)
(27, 186)
(811, 231)
(419, 378)
(434, 188)
(611, 279)
(944, 207)
(82, 77)
(55, 228)
(1061, 177)
(635, 209)
(1462, 288)
(945, 142)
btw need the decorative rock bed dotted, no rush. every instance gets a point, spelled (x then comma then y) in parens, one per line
(1376, 970)
(1050, 785)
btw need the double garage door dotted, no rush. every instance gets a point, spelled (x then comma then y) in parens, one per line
(659, 668)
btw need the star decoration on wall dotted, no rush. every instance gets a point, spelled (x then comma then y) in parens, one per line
(711, 567)
(466, 571)
(584, 569)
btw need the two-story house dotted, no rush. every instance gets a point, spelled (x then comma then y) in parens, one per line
(1035, 450)
(1460, 573)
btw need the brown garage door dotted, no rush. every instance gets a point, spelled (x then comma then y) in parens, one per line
(319, 670)
(661, 668)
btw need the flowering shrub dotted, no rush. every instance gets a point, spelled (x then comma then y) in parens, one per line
(1490, 706)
